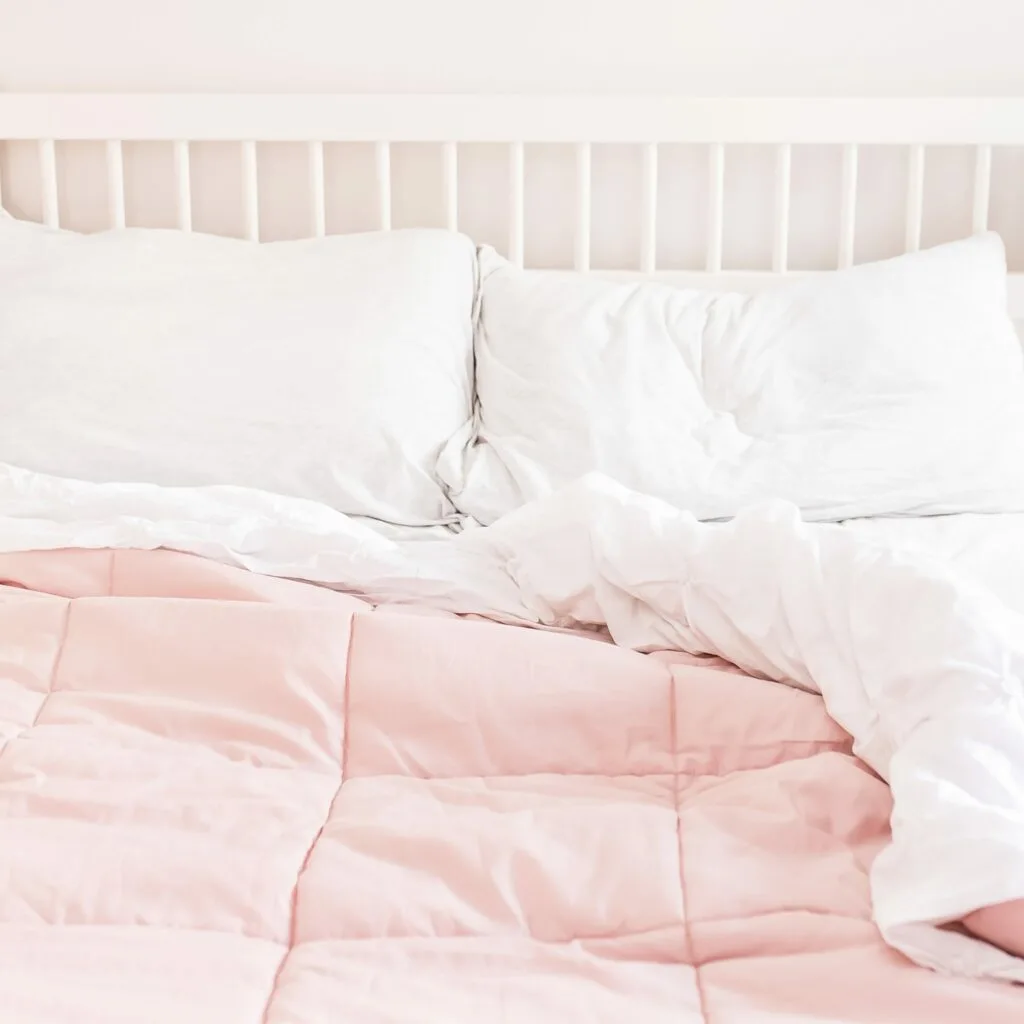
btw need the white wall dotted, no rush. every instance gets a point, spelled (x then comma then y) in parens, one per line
(866, 47)
(688, 46)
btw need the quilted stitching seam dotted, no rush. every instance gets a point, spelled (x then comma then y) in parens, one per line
(687, 931)
(54, 669)
(293, 924)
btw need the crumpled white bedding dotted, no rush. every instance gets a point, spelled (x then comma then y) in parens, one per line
(912, 631)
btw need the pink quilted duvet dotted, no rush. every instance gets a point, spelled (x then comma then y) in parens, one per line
(227, 799)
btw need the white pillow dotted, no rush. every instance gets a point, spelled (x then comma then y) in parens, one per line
(891, 388)
(332, 369)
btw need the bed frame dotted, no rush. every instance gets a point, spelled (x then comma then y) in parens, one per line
(516, 122)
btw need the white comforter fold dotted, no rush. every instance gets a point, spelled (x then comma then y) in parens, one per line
(920, 662)
(922, 666)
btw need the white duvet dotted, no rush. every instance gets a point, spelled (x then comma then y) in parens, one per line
(912, 631)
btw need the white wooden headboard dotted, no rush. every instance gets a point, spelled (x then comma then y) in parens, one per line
(649, 126)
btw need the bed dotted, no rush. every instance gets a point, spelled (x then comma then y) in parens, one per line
(392, 632)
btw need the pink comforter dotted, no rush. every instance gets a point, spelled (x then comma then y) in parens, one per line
(236, 800)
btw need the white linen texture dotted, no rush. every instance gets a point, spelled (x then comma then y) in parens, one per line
(332, 369)
(892, 388)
